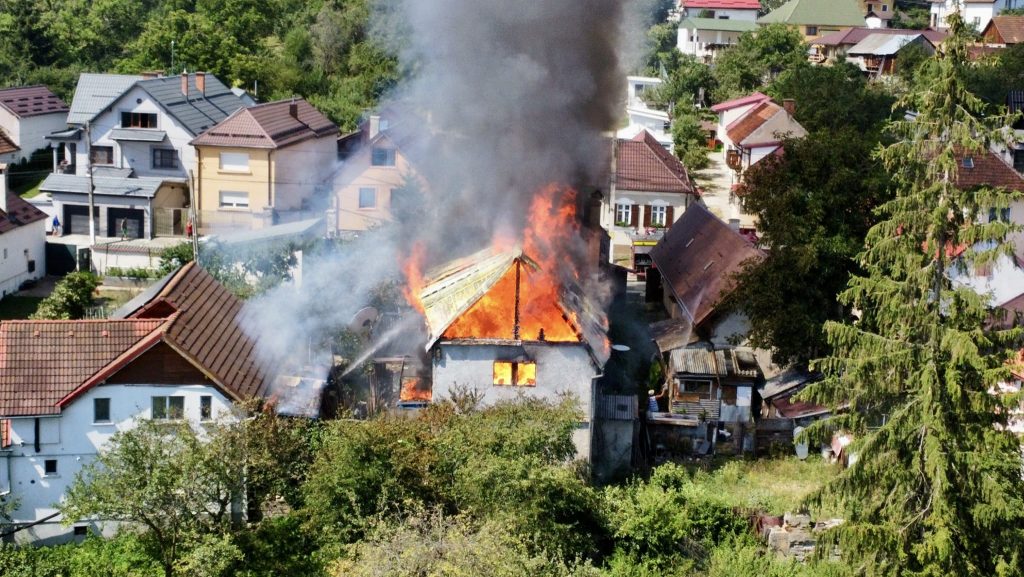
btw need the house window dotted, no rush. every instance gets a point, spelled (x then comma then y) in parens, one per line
(977, 23)
(368, 197)
(885, 7)
(168, 407)
(234, 161)
(812, 31)
(101, 410)
(81, 531)
(205, 408)
(658, 215)
(623, 215)
(515, 373)
(50, 468)
(101, 155)
(383, 157)
(138, 120)
(165, 158)
(234, 199)
(1002, 214)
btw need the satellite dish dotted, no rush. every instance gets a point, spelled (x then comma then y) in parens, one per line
(363, 321)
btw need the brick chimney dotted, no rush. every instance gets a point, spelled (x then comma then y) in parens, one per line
(201, 82)
(293, 109)
(789, 105)
(3, 187)
(184, 84)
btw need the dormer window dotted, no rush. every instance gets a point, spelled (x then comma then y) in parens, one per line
(138, 120)
(968, 162)
(383, 157)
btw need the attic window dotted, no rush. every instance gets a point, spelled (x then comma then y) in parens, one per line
(519, 374)
(968, 162)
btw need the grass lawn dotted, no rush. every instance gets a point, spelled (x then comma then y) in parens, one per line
(776, 485)
(112, 299)
(16, 307)
(29, 187)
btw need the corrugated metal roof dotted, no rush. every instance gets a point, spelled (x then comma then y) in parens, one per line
(616, 407)
(882, 44)
(302, 228)
(95, 92)
(143, 187)
(137, 135)
(730, 362)
(784, 382)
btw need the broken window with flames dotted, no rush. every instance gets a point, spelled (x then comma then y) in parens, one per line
(517, 373)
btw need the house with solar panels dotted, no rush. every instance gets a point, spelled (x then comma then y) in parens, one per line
(133, 133)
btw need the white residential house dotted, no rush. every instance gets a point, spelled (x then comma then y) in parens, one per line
(706, 37)
(976, 13)
(642, 117)
(66, 387)
(22, 240)
(135, 132)
(721, 9)
(753, 127)
(27, 115)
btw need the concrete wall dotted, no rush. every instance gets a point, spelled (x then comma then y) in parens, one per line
(30, 133)
(561, 370)
(73, 440)
(17, 247)
(300, 169)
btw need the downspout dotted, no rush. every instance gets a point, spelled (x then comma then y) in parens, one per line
(36, 434)
(270, 180)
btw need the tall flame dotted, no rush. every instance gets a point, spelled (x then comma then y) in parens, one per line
(414, 281)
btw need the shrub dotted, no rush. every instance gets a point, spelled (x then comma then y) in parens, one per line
(70, 297)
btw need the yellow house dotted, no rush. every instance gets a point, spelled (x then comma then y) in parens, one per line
(372, 168)
(264, 165)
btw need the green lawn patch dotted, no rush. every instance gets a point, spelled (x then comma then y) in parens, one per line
(17, 307)
(774, 485)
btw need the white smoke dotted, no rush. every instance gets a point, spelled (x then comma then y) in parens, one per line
(503, 97)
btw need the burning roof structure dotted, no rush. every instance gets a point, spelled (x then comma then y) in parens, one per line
(505, 297)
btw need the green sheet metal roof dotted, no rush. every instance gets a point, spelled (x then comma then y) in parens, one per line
(816, 13)
(723, 24)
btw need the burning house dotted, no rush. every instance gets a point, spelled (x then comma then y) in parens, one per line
(502, 325)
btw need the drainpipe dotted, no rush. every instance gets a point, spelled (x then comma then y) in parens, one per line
(270, 183)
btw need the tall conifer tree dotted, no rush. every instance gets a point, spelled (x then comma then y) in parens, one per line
(936, 489)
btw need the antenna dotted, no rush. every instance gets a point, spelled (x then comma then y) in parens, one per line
(172, 58)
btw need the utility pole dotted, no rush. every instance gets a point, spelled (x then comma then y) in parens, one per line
(92, 189)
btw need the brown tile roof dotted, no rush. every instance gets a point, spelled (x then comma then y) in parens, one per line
(207, 330)
(988, 170)
(697, 258)
(46, 364)
(745, 125)
(26, 101)
(1010, 28)
(6, 144)
(41, 362)
(19, 213)
(642, 164)
(268, 125)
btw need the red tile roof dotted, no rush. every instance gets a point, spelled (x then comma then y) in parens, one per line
(19, 213)
(6, 144)
(643, 164)
(745, 125)
(41, 362)
(723, 4)
(26, 101)
(268, 125)
(697, 258)
(1010, 28)
(46, 364)
(989, 170)
(737, 102)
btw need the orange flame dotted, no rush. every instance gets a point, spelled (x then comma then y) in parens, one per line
(414, 390)
(414, 281)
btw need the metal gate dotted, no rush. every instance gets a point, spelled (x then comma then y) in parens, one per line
(60, 258)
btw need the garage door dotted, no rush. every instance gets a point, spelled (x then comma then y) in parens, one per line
(125, 222)
(76, 219)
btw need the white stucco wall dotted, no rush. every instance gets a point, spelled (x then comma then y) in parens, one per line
(635, 88)
(977, 14)
(725, 118)
(14, 258)
(748, 15)
(73, 440)
(561, 369)
(699, 43)
(138, 155)
(30, 132)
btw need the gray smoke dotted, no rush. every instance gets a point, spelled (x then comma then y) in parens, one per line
(503, 98)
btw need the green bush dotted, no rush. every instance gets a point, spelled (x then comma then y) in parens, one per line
(70, 297)
(134, 272)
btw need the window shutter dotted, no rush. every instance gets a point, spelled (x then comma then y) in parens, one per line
(670, 213)
(634, 214)
(647, 215)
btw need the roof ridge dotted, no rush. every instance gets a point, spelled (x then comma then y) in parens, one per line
(74, 321)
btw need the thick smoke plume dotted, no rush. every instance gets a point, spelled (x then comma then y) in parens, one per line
(505, 97)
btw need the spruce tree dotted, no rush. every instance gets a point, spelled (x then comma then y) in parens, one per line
(936, 489)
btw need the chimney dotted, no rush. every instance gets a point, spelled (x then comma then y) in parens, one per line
(293, 109)
(789, 105)
(184, 84)
(374, 125)
(149, 75)
(3, 187)
(201, 82)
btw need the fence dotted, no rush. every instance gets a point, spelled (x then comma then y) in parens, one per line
(170, 221)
